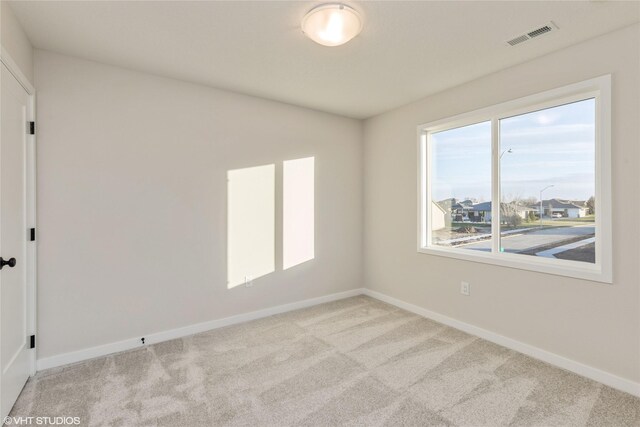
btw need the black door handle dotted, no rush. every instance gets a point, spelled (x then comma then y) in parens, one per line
(11, 262)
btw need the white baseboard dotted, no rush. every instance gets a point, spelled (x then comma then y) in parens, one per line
(562, 362)
(581, 369)
(103, 350)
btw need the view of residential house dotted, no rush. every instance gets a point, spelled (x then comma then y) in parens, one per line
(568, 208)
(549, 228)
(441, 216)
(449, 210)
(481, 212)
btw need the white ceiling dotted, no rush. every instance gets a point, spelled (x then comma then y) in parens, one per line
(406, 51)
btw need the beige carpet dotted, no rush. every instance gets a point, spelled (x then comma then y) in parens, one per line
(355, 362)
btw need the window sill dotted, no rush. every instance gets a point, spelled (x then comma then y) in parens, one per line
(573, 269)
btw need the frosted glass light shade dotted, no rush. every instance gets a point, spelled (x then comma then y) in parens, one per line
(332, 24)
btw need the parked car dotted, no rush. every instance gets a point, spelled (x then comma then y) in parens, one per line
(556, 215)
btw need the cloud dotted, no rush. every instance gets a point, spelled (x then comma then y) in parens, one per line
(546, 131)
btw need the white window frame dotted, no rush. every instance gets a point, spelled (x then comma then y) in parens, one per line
(601, 271)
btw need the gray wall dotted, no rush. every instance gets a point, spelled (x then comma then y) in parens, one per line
(132, 206)
(593, 323)
(15, 41)
(132, 201)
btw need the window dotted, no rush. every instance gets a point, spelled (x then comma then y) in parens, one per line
(523, 184)
(461, 186)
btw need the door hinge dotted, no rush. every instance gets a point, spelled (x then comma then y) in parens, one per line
(32, 234)
(32, 341)
(31, 128)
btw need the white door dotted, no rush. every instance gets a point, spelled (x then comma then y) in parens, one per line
(14, 342)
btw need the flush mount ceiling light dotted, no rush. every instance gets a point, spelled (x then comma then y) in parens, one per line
(332, 24)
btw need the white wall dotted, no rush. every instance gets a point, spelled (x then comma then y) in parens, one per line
(592, 323)
(15, 41)
(132, 201)
(438, 216)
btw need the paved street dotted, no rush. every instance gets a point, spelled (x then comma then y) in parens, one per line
(520, 242)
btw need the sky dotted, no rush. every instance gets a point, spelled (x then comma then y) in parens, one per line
(555, 146)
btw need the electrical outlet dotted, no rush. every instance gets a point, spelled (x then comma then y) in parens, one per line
(465, 288)
(248, 281)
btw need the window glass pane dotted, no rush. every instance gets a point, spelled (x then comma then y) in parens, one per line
(461, 187)
(251, 224)
(547, 182)
(298, 211)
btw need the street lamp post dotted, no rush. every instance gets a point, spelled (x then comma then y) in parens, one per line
(506, 151)
(548, 186)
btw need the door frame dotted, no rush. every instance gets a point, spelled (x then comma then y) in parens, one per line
(31, 274)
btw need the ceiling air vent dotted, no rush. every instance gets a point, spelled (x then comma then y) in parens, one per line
(522, 38)
(533, 33)
(539, 31)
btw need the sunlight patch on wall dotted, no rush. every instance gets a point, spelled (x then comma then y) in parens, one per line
(298, 222)
(251, 224)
